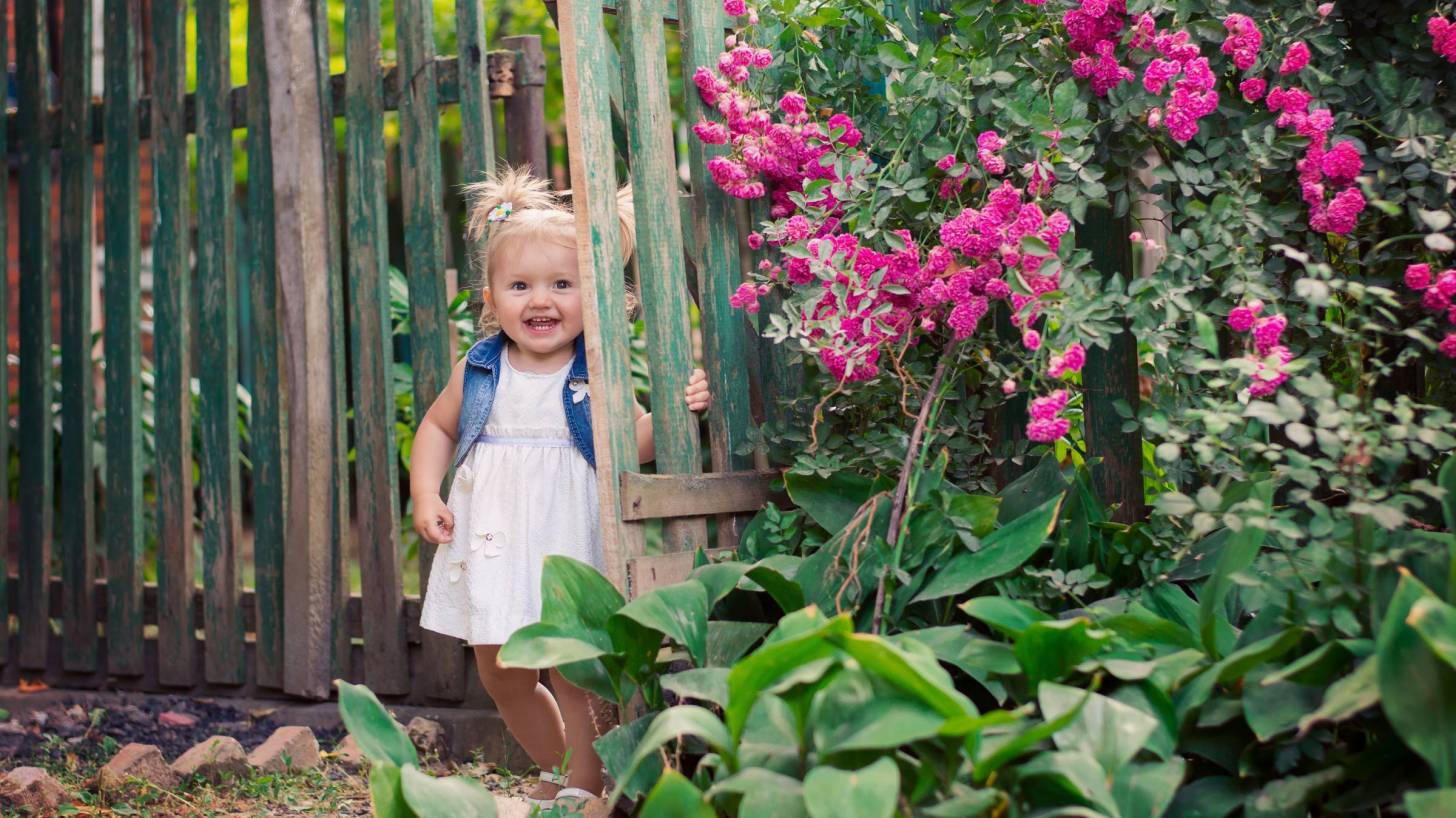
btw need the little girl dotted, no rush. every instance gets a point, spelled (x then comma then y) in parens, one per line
(515, 423)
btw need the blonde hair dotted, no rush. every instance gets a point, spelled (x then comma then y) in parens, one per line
(534, 212)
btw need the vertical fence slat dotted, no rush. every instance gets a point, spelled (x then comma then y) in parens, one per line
(477, 134)
(716, 241)
(665, 302)
(386, 667)
(780, 376)
(171, 297)
(1008, 422)
(34, 386)
(1111, 375)
(526, 107)
(5, 377)
(267, 432)
(77, 522)
(218, 366)
(424, 248)
(122, 297)
(594, 185)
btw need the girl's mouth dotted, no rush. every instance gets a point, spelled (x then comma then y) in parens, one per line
(541, 325)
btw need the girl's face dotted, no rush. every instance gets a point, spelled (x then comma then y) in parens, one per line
(536, 294)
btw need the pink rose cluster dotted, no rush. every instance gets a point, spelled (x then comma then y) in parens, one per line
(988, 152)
(1242, 42)
(1269, 356)
(1438, 292)
(1047, 422)
(1443, 37)
(1094, 29)
(1194, 95)
(1071, 359)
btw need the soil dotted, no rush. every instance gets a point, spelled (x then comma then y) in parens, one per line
(74, 727)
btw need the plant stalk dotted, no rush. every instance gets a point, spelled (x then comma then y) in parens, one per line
(902, 489)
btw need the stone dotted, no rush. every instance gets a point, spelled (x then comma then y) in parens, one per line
(428, 736)
(596, 808)
(213, 758)
(289, 747)
(348, 754)
(78, 714)
(170, 718)
(142, 761)
(32, 788)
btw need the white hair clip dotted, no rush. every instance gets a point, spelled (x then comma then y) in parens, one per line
(500, 212)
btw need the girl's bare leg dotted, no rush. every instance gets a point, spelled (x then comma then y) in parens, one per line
(530, 713)
(579, 710)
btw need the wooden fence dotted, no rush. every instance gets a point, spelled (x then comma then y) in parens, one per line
(318, 335)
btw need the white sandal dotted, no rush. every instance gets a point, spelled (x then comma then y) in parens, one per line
(576, 792)
(547, 803)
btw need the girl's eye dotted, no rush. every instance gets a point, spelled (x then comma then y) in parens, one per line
(518, 285)
(563, 284)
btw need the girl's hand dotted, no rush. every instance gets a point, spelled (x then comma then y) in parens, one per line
(433, 520)
(697, 391)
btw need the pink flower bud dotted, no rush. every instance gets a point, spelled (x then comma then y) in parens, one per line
(1008, 386)
(1324, 9)
(1135, 235)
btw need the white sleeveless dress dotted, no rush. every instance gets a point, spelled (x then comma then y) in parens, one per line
(522, 493)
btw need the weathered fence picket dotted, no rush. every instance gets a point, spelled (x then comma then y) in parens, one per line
(5, 381)
(77, 521)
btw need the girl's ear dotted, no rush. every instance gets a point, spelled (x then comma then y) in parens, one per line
(486, 299)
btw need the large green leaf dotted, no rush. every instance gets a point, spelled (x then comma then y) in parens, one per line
(1146, 790)
(720, 578)
(1346, 697)
(765, 793)
(1105, 729)
(843, 571)
(1033, 489)
(1243, 547)
(616, 749)
(1009, 616)
(964, 649)
(708, 684)
(772, 662)
(676, 797)
(1077, 775)
(385, 795)
(679, 611)
(1446, 477)
(968, 804)
(380, 737)
(543, 644)
(869, 792)
(1012, 748)
(1417, 689)
(1275, 708)
(1000, 553)
(672, 723)
(785, 591)
(574, 594)
(1139, 625)
(1290, 797)
(1195, 692)
(925, 680)
(1049, 650)
(728, 641)
(453, 797)
(850, 714)
(1435, 621)
(1431, 803)
(1212, 797)
(976, 512)
(832, 501)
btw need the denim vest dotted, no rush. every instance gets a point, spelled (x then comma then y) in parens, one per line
(482, 376)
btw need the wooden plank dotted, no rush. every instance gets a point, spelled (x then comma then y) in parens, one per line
(78, 496)
(476, 120)
(611, 66)
(5, 596)
(269, 478)
(386, 669)
(652, 496)
(302, 249)
(526, 108)
(1111, 375)
(424, 249)
(599, 254)
(714, 245)
(218, 366)
(665, 302)
(34, 386)
(1009, 419)
(649, 572)
(781, 375)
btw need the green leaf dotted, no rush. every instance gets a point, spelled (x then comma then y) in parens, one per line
(764, 792)
(1076, 775)
(385, 795)
(1207, 333)
(728, 641)
(787, 593)
(1138, 625)
(921, 677)
(1431, 803)
(869, 792)
(1212, 797)
(976, 512)
(1195, 692)
(1009, 616)
(709, 684)
(720, 578)
(1435, 621)
(833, 578)
(771, 663)
(1064, 96)
(1273, 709)
(679, 611)
(1446, 478)
(987, 765)
(676, 797)
(543, 645)
(1346, 697)
(1031, 490)
(1106, 729)
(893, 55)
(616, 749)
(965, 650)
(1049, 650)
(380, 737)
(832, 501)
(1240, 553)
(1005, 550)
(966, 805)
(1417, 689)
(453, 797)
(875, 723)
(1290, 797)
(672, 723)
(574, 594)
(1146, 790)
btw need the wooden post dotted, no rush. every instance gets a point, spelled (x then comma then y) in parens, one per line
(659, 254)
(78, 209)
(269, 472)
(1111, 375)
(302, 242)
(34, 427)
(599, 254)
(526, 107)
(5, 380)
(171, 348)
(386, 660)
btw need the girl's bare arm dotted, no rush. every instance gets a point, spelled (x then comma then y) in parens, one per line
(434, 447)
(697, 398)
